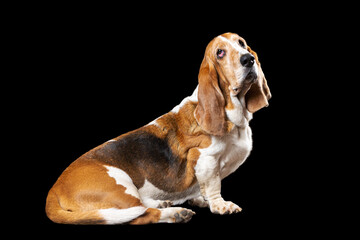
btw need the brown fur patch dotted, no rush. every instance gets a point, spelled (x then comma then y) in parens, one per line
(152, 215)
(83, 189)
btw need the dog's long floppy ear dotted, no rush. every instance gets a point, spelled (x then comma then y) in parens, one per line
(210, 111)
(259, 93)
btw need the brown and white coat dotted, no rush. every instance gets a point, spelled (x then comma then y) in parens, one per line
(182, 155)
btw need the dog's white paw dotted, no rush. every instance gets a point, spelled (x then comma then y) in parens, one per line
(176, 215)
(219, 206)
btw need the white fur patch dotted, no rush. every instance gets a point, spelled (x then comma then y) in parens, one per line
(227, 152)
(149, 192)
(154, 122)
(238, 146)
(118, 216)
(122, 178)
(239, 115)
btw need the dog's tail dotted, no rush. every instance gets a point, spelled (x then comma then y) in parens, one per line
(57, 214)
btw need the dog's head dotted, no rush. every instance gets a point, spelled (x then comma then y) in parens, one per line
(230, 66)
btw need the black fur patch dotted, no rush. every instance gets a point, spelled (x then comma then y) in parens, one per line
(143, 156)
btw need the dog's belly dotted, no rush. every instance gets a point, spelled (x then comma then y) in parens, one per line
(149, 191)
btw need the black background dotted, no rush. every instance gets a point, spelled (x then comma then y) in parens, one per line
(94, 74)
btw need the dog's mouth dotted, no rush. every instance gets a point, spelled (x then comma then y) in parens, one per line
(248, 80)
(250, 77)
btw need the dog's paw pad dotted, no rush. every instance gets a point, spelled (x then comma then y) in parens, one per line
(183, 216)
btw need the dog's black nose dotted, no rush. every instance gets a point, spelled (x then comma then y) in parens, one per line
(247, 60)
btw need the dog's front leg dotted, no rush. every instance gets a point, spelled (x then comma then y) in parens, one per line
(207, 172)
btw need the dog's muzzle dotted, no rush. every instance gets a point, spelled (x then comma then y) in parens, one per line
(251, 76)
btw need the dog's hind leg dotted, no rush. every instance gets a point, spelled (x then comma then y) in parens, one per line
(91, 193)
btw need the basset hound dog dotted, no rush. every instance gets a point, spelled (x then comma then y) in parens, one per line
(181, 156)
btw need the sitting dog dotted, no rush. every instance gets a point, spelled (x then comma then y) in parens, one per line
(180, 156)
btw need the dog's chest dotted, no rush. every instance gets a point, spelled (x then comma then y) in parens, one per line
(236, 148)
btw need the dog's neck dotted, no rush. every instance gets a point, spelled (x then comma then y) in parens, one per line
(236, 111)
(235, 108)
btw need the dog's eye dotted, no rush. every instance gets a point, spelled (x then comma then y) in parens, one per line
(220, 53)
(242, 44)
